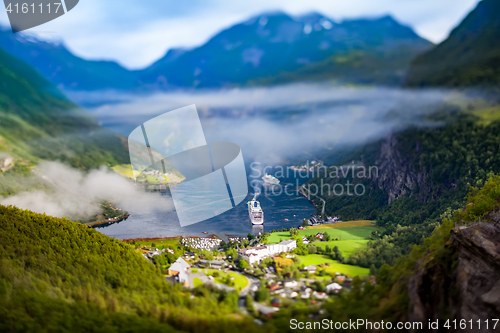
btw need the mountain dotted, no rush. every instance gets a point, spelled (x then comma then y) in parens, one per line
(267, 49)
(276, 47)
(422, 175)
(61, 276)
(38, 122)
(453, 275)
(469, 56)
(64, 69)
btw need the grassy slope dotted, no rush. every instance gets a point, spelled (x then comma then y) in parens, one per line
(388, 299)
(359, 223)
(360, 67)
(343, 234)
(240, 281)
(353, 236)
(462, 152)
(158, 242)
(488, 115)
(38, 122)
(346, 247)
(58, 275)
(333, 265)
(469, 56)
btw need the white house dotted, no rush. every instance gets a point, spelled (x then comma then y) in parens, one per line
(319, 295)
(289, 294)
(288, 245)
(257, 253)
(179, 269)
(291, 283)
(274, 249)
(333, 288)
(311, 269)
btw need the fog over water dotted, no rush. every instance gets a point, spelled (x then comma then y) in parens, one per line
(273, 126)
(76, 194)
(277, 123)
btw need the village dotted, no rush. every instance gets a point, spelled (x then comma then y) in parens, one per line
(266, 275)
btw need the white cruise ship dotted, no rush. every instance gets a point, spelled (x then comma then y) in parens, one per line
(255, 212)
(270, 180)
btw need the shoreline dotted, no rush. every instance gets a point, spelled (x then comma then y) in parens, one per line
(107, 222)
(155, 239)
(147, 239)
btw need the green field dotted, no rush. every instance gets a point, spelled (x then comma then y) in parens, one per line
(316, 259)
(333, 265)
(342, 234)
(197, 282)
(346, 247)
(152, 179)
(240, 281)
(488, 115)
(124, 170)
(349, 237)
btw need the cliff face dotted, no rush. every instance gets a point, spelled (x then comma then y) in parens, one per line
(478, 271)
(463, 282)
(399, 176)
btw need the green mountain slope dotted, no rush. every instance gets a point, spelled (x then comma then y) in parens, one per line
(38, 122)
(469, 56)
(380, 66)
(60, 276)
(452, 275)
(64, 69)
(423, 174)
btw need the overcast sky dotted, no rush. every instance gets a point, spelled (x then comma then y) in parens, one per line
(136, 33)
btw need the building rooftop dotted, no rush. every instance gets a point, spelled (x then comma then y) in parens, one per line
(287, 242)
(213, 262)
(180, 265)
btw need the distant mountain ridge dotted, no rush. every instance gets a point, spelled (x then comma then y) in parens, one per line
(64, 69)
(270, 48)
(266, 49)
(469, 56)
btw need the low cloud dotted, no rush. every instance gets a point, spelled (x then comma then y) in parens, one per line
(76, 194)
(280, 123)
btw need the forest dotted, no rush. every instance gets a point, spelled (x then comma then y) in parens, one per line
(461, 153)
(61, 276)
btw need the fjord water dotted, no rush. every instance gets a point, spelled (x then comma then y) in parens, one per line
(235, 222)
(274, 126)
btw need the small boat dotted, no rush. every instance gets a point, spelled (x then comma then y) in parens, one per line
(286, 220)
(270, 180)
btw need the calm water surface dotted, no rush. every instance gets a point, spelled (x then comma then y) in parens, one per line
(235, 222)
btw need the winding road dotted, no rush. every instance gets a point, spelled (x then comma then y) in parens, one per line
(324, 202)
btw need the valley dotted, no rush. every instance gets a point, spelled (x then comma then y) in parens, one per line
(85, 246)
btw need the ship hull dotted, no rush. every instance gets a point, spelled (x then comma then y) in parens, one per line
(255, 213)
